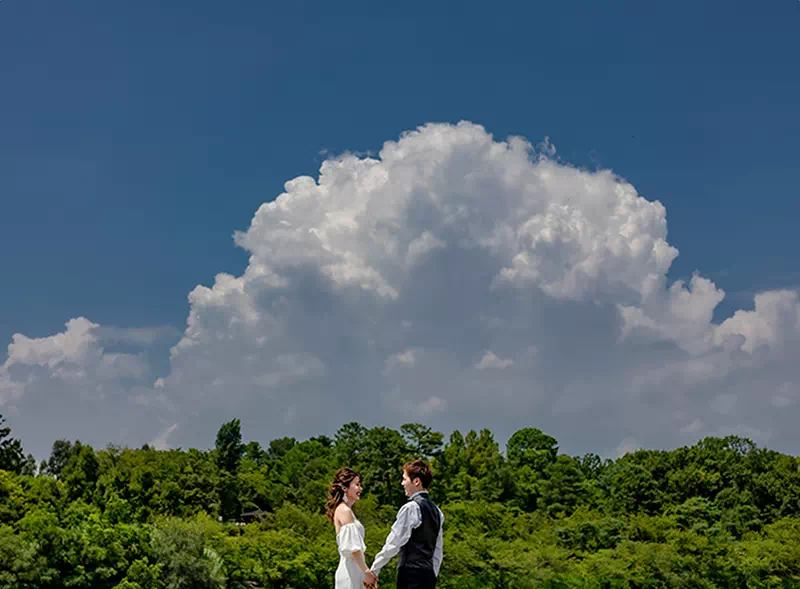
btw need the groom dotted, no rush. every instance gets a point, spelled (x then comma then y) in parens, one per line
(416, 534)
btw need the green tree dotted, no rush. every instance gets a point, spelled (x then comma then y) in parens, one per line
(143, 575)
(633, 488)
(471, 467)
(563, 487)
(229, 446)
(279, 447)
(351, 441)
(253, 451)
(186, 562)
(81, 474)
(302, 476)
(421, 440)
(20, 563)
(229, 452)
(384, 454)
(531, 447)
(60, 455)
(11, 456)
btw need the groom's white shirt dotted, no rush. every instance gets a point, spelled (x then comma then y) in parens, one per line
(408, 518)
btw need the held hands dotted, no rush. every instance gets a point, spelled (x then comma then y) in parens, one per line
(370, 580)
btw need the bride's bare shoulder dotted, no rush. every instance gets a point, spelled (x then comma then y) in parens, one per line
(343, 514)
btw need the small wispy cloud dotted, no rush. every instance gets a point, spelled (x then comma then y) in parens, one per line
(491, 360)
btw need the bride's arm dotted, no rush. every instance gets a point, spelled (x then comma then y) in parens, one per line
(359, 558)
(345, 516)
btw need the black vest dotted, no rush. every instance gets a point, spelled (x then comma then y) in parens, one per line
(417, 553)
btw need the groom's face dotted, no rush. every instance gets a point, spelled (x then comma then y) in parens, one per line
(410, 486)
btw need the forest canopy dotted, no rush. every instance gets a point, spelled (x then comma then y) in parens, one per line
(720, 513)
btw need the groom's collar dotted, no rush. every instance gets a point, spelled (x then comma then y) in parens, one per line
(418, 493)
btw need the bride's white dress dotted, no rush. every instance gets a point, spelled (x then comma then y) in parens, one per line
(349, 539)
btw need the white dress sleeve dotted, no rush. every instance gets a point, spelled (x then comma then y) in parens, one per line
(350, 540)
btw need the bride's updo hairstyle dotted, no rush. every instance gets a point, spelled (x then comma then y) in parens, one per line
(338, 489)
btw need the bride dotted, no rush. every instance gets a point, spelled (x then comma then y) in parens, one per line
(344, 491)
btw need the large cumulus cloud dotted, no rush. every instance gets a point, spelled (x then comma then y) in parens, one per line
(466, 282)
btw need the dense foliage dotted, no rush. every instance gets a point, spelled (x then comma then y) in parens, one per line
(722, 513)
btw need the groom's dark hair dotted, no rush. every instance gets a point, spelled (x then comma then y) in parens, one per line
(419, 469)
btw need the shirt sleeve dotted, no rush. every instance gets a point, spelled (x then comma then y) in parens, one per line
(438, 553)
(408, 518)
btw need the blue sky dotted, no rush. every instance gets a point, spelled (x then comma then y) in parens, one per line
(135, 138)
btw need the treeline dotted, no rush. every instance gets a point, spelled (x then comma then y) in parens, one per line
(722, 513)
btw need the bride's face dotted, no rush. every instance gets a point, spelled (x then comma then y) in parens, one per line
(354, 490)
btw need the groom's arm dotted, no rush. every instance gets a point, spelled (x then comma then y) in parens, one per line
(439, 552)
(408, 518)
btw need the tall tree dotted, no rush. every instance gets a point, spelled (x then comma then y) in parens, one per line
(350, 444)
(471, 467)
(229, 452)
(81, 474)
(383, 458)
(531, 453)
(421, 440)
(11, 456)
(278, 448)
(60, 455)
(563, 489)
(532, 447)
(28, 467)
(229, 446)
(254, 452)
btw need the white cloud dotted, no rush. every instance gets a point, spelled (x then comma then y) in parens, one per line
(693, 428)
(374, 291)
(74, 384)
(775, 319)
(407, 358)
(431, 405)
(161, 441)
(71, 358)
(421, 246)
(490, 360)
(72, 346)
